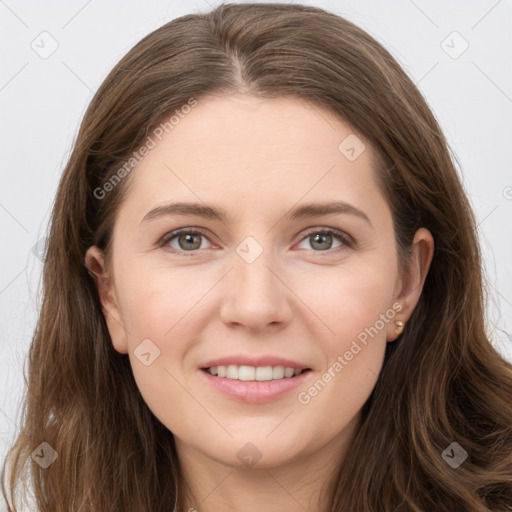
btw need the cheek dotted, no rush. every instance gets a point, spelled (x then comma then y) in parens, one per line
(339, 391)
(154, 300)
(348, 299)
(356, 305)
(161, 308)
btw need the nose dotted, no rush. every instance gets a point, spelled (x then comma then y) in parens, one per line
(256, 294)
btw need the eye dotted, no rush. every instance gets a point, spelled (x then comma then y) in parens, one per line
(187, 241)
(321, 240)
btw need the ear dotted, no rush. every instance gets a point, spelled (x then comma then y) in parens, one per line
(94, 261)
(409, 287)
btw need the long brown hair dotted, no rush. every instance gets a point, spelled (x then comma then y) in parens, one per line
(442, 381)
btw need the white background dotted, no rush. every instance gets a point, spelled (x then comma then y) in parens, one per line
(43, 100)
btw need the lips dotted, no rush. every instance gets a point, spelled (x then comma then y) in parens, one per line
(254, 379)
(242, 360)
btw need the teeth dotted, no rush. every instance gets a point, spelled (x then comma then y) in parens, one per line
(246, 373)
(288, 372)
(263, 373)
(252, 373)
(232, 372)
(277, 372)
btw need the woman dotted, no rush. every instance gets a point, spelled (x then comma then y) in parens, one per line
(263, 288)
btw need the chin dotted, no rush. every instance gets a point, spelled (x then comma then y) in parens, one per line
(257, 451)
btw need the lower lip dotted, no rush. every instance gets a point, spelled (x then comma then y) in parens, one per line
(255, 392)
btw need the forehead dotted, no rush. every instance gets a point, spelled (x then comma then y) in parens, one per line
(245, 125)
(253, 152)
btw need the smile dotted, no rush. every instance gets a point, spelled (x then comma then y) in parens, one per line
(254, 373)
(254, 384)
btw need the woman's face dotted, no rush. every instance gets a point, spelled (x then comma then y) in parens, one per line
(256, 284)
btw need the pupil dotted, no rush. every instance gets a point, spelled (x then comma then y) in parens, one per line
(320, 236)
(188, 239)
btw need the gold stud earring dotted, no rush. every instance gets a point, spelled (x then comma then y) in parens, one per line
(399, 326)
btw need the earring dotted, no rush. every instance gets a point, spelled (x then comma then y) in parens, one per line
(399, 326)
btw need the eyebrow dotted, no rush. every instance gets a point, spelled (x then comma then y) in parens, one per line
(218, 214)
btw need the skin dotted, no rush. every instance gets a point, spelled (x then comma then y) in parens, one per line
(302, 300)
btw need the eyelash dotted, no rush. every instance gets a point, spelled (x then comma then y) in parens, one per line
(346, 240)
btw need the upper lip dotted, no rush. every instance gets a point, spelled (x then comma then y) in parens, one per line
(266, 360)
